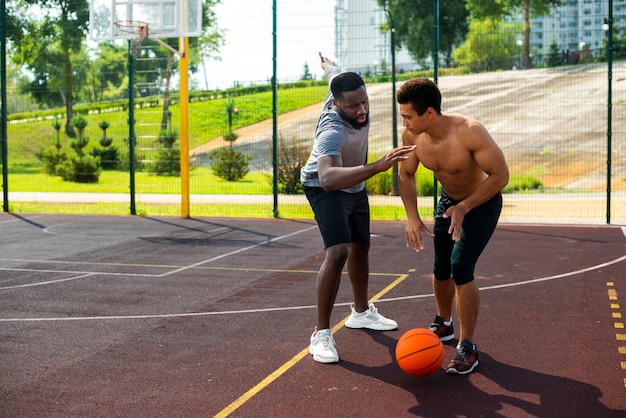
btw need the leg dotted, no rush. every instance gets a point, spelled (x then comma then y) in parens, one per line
(467, 306)
(328, 279)
(444, 295)
(358, 271)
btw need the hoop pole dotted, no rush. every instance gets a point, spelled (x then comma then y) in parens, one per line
(131, 129)
(3, 111)
(164, 45)
(184, 128)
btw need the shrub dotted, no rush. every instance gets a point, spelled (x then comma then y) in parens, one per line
(380, 184)
(229, 164)
(52, 158)
(167, 162)
(425, 182)
(109, 158)
(80, 169)
(290, 159)
(522, 183)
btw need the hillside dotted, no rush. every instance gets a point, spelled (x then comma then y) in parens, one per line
(551, 123)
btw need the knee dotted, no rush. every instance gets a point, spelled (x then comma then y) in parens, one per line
(360, 249)
(337, 254)
(462, 274)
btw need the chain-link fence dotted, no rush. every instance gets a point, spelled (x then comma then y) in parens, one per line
(552, 100)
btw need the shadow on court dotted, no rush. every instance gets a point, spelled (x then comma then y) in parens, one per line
(135, 316)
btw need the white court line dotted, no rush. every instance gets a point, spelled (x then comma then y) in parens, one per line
(532, 281)
(191, 266)
(178, 270)
(43, 283)
(291, 308)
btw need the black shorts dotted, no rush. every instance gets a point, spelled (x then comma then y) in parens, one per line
(341, 217)
(458, 259)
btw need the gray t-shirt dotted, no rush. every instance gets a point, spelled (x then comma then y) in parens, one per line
(335, 136)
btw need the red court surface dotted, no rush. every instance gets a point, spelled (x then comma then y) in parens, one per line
(129, 316)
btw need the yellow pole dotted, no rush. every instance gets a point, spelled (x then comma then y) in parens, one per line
(184, 127)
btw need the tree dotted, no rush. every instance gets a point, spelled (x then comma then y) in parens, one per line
(414, 26)
(199, 49)
(48, 39)
(106, 78)
(306, 73)
(489, 46)
(554, 58)
(497, 9)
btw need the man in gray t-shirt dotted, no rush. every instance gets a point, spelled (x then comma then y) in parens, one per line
(334, 183)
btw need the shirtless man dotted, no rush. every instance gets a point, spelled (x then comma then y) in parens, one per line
(472, 171)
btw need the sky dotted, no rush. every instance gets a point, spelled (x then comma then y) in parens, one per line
(304, 28)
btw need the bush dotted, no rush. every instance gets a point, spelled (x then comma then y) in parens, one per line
(290, 159)
(167, 162)
(522, 183)
(80, 170)
(109, 157)
(380, 184)
(52, 158)
(425, 182)
(229, 164)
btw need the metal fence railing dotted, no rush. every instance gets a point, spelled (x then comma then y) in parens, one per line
(561, 123)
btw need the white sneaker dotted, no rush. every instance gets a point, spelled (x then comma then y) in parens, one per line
(370, 319)
(323, 347)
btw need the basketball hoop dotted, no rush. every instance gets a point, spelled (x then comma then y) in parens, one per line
(139, 31)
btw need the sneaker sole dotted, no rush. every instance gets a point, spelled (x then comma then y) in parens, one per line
(446, 338)
(374, 327)
(452, 370)
(325, 360)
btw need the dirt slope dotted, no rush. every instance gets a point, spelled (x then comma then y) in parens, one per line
(551, 123)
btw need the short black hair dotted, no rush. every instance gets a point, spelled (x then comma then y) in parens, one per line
(421, 93)
(344, 82)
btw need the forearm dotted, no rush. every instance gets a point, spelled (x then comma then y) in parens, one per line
(408, 194)
(337, 178)
(487, 189)
(330, 70)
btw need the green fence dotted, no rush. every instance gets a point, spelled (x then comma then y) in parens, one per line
(555, 104)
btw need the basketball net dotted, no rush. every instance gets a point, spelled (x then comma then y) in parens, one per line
(138, 29)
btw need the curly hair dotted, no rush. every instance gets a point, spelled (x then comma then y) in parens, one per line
(420, 92)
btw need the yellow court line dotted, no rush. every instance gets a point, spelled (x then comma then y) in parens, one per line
(102, 263)
(295, 359)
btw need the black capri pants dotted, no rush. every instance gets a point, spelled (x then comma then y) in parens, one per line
(457, 260)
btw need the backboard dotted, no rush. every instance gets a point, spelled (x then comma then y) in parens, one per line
(165, 18)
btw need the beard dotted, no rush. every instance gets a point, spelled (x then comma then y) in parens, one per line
(354, 122)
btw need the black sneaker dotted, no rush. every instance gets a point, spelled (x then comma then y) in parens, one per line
(444, 332)
(466, 359)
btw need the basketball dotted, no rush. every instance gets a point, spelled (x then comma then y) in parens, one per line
(419, 352)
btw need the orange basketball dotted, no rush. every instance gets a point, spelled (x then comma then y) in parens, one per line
(419, 352)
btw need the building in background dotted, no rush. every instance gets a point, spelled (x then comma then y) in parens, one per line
(575, 26)
(360, 46)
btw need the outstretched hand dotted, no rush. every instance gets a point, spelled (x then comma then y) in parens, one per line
(395, 155)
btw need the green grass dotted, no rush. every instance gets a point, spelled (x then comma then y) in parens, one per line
(201, 181)
(285, 211)
(207, 121)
